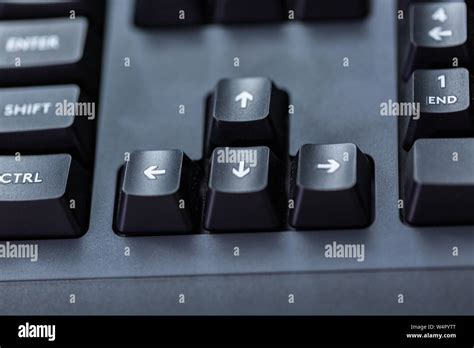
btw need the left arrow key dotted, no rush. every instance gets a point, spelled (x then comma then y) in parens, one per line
(156, 194)
(153, 172)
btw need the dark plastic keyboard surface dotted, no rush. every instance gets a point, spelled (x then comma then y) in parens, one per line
(333, 104)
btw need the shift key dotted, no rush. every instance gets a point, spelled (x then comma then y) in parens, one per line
(47, 119)
(42, 197)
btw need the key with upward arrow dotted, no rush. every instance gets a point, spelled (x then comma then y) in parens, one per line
(432, 35)
(332, 187)
(248, 112)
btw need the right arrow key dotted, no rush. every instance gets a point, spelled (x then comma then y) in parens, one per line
(331, 187)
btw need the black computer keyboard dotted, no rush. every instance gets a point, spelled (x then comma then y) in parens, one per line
(236, 157)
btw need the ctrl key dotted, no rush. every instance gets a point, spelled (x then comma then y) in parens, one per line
(42, 197)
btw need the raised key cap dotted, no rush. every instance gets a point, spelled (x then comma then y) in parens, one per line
(149, 13)
(443, 97)
(46, 119)
(38, 52)
(248, 112)
(26, 9)
(244, 191)
(42, 197)
(157, 194)
(433, 35)
(333, 9)
(332, 188)
(439, 182)
(234, 11)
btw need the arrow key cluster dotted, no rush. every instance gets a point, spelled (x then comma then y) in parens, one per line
(248, 136)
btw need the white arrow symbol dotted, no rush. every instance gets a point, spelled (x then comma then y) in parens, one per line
(440, 15)
(438, 33)
(242, 171)
(331, 167)
(244, 98)
(153, 172)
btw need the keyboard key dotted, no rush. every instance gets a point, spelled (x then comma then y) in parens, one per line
(331, 188)
(46, 119)
(234, 11)
(248, 112)
(435, 33)
(156, 194)
(404, 4)
(27, 9)
(42, 197)
(310, 9)
(244, 192)
(47, 51)
(439, 182)
(443, 97)
(151, 13)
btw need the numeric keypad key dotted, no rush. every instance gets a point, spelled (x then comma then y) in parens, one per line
(439, 182)
(442, 100)
(433, 35)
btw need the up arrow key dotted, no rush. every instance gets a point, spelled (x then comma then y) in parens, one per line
(153, 172)
(244, 98)
(242, 171)
(440, 15)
